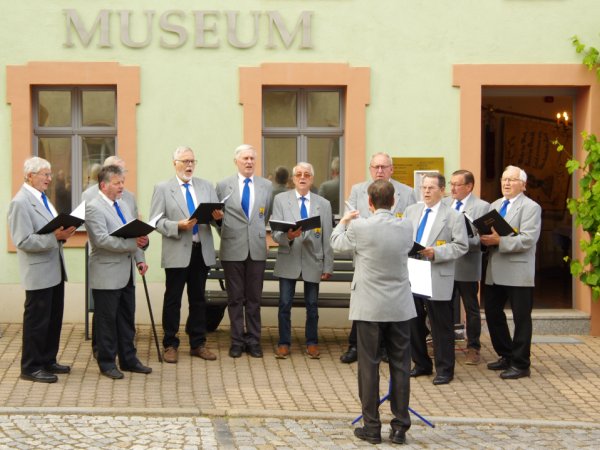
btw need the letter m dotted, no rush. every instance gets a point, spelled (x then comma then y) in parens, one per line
(304, 24)
(73, 22)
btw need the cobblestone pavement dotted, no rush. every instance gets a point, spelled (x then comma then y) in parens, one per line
(294, 403)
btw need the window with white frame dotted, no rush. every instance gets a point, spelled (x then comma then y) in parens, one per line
(75, 129)
(304, 124)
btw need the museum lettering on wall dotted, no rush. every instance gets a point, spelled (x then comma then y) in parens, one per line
(208, 29)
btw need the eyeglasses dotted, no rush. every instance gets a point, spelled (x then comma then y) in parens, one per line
(303, 175)
(510, 180)
(187, 162)
(45, 175)
(378, 168)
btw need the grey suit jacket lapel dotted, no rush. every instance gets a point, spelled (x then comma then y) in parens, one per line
(293, 205)
(438, 225)
(178, 197)
(38, 207)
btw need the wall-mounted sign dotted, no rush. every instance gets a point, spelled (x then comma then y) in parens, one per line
(404, 168)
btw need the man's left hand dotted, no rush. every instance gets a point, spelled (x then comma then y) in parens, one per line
(142, 268)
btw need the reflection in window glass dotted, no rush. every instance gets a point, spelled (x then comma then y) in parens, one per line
(95, 150)
(279, 109)
(98, 108)
(54, 109)
(323, 109)
(324, 155)
(57, 150)
(280, 157)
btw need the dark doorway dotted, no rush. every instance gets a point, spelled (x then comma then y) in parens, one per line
(518, 128)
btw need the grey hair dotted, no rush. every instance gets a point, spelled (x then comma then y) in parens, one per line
(441, 179)
(304, 165)
(179, 150)
(242, 148)
(107, 172)
(114, 161)
(34, 165)
(389, 158)
(522, 174)
(335, 164)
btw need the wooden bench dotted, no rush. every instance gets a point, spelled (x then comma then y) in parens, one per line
(216, 300)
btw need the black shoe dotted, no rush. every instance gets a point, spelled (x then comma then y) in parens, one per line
(57, 368)
(372, 437)
(41, 376)
(350, 356)
(113, 373)
(236, 351)
(398, 436)
(417, 372)
(254, 350)
(502, 364)
(137, 368)
(512, 373)
(442, 379)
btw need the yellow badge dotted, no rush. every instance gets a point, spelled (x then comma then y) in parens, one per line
(399, 215)
(438, 243)
(261, 212)
(516, 230)
(318, 230)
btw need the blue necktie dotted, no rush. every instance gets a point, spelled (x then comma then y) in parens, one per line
(458, 205)
(422, 225)
(119, 212)
(190, 204)
(504, 207)
(246, 197)
(303, 211)
(45, 200)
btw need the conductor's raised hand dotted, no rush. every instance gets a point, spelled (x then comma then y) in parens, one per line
(349, 216)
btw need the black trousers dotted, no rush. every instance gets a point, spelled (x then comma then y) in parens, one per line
(42, 324)
(244, 283)
(442, 332)
(114, 322)
(517, 348)
(194, 276)
(396, 338)
(467, 290)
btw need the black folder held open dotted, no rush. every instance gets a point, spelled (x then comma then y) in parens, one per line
(203, 213)
(62, 220)
(493, 219)
(134, 229)
(306, 224)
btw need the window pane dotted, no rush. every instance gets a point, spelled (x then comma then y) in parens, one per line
(98, 108)
(323, 109)
(280, 156)
(324, 155)
(57, 150)
(279, 109)
(95, 150)
(54, 109)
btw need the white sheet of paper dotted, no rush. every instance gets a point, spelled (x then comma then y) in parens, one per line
(419, 274)
(79, 212)
(153, 221)
(226, 197)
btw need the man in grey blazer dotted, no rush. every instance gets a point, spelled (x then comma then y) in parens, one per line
(243, 250)
(188, 251)
(113, 263)
(443, 233)
(467, 271)
(330, 189)
(381, 305)
(42, 269)
(301, 254)
(380, 168)
(510, 275)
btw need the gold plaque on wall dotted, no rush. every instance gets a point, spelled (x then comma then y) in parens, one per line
(404, 168)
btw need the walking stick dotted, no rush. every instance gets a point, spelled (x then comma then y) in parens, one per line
(151, 318)
(386, 397)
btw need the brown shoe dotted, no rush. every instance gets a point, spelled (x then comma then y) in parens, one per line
(282, 352)
(473, 357)
(204, 353)
(170, 355)
(313, 352)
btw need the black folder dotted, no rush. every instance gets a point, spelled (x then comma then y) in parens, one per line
(469, 226)
(306, 224)
(62, 220)
(416, 248)
(203, 213)
(493, 219)
(134, 229)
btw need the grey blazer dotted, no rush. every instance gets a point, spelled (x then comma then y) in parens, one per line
(112, 259)
(310, 255)
(243, 237)
(177, 244)
(512, 263)
(40, 255)
(448, 237)
(92, 192)
(468, 267)
(403, 196)
(330, 190)
(380, 290)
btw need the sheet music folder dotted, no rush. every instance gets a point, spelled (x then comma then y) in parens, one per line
(416, 248)
(493, 219)
(134, 229)
(306, 224)
(62, 220)
(203, 213)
